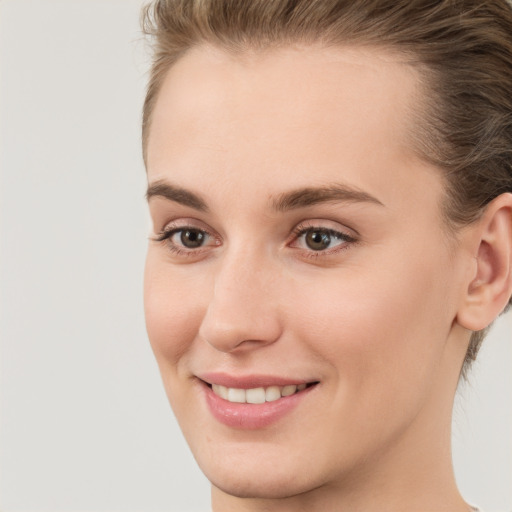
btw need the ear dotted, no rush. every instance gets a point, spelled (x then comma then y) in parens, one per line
(490, 288)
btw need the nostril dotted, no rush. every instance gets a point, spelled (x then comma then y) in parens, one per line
(239, 323)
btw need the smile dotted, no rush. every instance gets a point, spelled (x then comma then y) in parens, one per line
(258, 395)
(252, 402)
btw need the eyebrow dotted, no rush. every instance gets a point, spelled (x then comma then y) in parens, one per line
(295, 199)
(310, 196)
(176, 194)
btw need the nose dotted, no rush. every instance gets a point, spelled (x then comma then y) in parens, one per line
(243, 311)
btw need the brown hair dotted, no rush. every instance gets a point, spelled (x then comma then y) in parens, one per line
(464, 48)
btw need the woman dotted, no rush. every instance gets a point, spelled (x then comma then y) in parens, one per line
(330, 185)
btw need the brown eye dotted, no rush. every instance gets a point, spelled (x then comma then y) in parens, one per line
(318, 240)
(192, 238)
(187, 241)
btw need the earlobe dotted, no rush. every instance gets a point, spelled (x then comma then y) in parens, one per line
(490, 289)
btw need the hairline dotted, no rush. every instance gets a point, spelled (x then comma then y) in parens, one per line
(404, 56)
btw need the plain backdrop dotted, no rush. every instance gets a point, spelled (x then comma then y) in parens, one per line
(85, 425)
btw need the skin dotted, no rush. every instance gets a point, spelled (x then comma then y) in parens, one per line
(374, 318)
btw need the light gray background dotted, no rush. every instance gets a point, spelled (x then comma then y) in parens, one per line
(85, 424)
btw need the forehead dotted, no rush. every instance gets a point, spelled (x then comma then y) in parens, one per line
(305, 111)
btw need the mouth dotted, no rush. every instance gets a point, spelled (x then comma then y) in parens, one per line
(257, 395)
(253, 402)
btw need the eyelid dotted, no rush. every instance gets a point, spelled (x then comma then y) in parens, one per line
(327, 225)
(184, 223)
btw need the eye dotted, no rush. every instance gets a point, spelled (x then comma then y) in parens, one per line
(320, 239)
(190, 238)
(186, 240)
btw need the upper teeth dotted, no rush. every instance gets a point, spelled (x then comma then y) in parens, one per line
(256, 395)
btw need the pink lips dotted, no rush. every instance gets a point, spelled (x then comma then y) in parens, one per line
(247, 381)
(250, 416)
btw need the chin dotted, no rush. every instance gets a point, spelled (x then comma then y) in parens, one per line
(259, 481)
(251, 486)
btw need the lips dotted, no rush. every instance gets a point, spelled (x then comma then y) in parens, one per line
(252, 402)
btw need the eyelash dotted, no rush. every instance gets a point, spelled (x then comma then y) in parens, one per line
(346, 240)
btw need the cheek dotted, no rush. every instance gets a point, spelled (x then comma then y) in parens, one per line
(379, 324)
(173, 311)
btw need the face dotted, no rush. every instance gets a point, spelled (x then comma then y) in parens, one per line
(298, 261)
